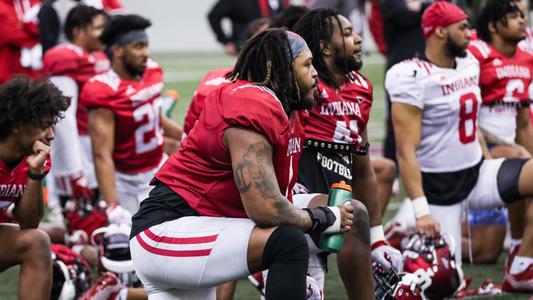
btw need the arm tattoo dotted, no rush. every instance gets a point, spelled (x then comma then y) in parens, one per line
(250, 171)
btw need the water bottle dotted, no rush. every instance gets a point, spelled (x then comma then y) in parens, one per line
(339, 194)
(170, 99)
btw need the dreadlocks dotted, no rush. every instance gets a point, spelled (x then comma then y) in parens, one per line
(316, 26)
(266, 59)
(494, 11)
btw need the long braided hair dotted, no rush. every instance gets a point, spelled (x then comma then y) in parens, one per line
(266, 59)
(316, 26)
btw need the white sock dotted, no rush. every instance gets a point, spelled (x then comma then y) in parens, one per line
(123, 294)
(514, 243)
(520, 263)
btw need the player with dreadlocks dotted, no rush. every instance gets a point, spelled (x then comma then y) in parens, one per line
(336, 145)
(29, 110)
(221, 208)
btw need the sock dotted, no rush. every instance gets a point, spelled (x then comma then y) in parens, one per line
(520, 263)
(515, 243)
(122, 295)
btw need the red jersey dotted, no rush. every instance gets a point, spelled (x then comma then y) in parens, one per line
(138, 145)
(79, 64)
(19, 33)
(201, 171)
(341, 115)
(211, 81)
(502, 79)
(13, 181)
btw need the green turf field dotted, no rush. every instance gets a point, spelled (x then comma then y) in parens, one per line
(184, 71)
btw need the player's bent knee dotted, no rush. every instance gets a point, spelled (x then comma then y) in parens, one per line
(286, 244)
(34, 243)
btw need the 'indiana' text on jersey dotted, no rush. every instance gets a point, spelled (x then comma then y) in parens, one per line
(342, 114)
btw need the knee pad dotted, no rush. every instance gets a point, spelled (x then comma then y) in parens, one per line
(287, 244)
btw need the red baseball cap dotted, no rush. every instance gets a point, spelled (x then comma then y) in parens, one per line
(441, 13)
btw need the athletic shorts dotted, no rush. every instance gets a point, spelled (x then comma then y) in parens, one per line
(187, 257)
(496, 185)
(317, 171)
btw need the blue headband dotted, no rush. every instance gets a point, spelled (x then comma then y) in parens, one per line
(297, 44)
(131, 37)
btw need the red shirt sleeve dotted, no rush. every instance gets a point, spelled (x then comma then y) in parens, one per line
(96, 94)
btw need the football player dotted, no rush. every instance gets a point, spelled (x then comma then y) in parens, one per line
(126, 124)
(70, 66)
(221, 208)
(336, 146)
(29, 108)
(505, 77)
(436, 100)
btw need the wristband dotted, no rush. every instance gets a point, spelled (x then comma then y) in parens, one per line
(37, 177)
(420, 206)
(321, 217)
(376, 234)
(335, 227)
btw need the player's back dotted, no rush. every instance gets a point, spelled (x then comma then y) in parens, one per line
(201, 170)
(449, 100)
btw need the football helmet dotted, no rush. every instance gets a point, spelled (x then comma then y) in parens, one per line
(114, 253)
(390, 285)
(71, 274)
(433, 261)
(84, 215)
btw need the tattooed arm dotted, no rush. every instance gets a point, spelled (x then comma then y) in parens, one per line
(251, 157)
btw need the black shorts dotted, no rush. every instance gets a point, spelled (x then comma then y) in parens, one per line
(317, 171)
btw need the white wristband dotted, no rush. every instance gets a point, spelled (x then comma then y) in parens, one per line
(420, 207)
(336, 227)
(376, 234)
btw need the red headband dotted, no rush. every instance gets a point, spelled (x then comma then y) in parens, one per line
(441, 13)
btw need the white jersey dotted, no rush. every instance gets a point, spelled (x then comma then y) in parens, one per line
(449, 100)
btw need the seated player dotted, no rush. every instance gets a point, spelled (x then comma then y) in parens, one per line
(336, 146)
(221, 208)
(436, 100)
(29, 110)
(126, 124)
(504, 114)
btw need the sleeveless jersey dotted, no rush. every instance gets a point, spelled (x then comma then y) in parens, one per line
(138, 145)
(77, 63)
(201, 170)
(449, 100)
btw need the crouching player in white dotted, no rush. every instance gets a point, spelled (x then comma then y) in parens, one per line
(221, 208)
(435, 107)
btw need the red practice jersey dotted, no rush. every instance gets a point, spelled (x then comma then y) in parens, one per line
(502, 79)
(211, 81)
(341, 115)
(201, 171)
(13, 182)
(138, 145)
(75, 62)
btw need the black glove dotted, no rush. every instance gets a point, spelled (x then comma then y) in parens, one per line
(322, 217)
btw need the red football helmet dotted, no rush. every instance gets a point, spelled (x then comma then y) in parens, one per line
(433, 261)
(71, 273)
(390, 285)
(83, 215)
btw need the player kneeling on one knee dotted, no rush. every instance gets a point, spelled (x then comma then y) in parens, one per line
(222, 206)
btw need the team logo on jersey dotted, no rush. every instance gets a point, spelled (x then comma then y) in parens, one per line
(324, 94)
(497, 62)
(130, 90)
